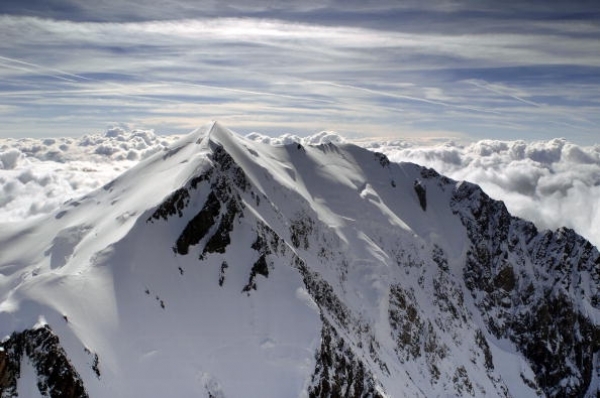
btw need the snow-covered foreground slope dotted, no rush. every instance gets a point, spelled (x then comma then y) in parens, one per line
(229, 268)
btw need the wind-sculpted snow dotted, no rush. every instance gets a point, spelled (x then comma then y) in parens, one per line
(38, 175)
(552, 183)
(228, 267)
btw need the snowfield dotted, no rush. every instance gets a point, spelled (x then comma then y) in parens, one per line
(551, 183)
(223, 266)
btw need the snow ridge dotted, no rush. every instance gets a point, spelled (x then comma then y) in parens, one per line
(225, 267)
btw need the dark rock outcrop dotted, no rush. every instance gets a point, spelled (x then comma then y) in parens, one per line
(338, 371)
(528, 286)
(421, 194)
(56, 375)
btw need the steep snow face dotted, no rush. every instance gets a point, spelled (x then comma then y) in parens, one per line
(223, 267)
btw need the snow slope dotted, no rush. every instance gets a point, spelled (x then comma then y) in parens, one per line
(223, 267)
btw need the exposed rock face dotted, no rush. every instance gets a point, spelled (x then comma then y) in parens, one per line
(338, 372)
(522, 281)
(56, 376)
(198, 226)
(528, 287)
(421, 194)
(395, 306)
(221, 207)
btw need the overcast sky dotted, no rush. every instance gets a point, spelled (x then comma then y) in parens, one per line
(462, 70)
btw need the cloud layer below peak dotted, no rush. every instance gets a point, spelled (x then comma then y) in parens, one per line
(553, 183)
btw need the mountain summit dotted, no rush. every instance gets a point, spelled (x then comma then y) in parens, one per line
(228, 268)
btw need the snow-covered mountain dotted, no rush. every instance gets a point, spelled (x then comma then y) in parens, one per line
(229, 268)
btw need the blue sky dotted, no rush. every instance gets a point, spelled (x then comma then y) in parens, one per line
(460, 70)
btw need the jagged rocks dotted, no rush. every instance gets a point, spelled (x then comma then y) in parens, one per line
(383, 160)
(56, 375)
(300, 230)
(415, 338)
(260, 267)
(560, 332)
(462, 383)
(421, 194)
(265, 244)
(411, 303)
(506, 279)
(222, 272)
(406, 324)
(526, 285)
(338, 371)
(482, 343)
(324, 295)
(439, 257)
(220, 239)
(178, 200)
(198, 226)
(9, 372)
(227, 166)
(174, 204)
(222, 204)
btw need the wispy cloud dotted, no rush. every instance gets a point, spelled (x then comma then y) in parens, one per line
(323, 64)
(40, 69)
(503, 91)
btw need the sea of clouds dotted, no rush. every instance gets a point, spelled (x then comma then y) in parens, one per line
(38, 175)
(552, 183)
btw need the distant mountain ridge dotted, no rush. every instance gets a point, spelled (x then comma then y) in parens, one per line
(223, 267)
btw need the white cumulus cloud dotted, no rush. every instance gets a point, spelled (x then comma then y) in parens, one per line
(552, 183)
(38, 175)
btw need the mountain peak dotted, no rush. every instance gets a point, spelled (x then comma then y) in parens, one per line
(214, 132)
(225, 267)
(217, 132)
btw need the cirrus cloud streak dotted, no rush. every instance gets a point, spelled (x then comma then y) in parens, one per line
(337, 71)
